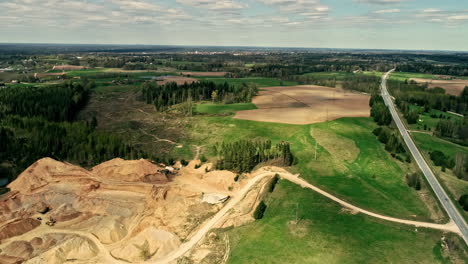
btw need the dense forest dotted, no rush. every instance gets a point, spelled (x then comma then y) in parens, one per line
(38, 122)
(164, 96)
(424, 67)
(244, 155)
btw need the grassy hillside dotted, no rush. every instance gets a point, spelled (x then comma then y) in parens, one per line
(367, 177)
(208, 108)
(326, 233)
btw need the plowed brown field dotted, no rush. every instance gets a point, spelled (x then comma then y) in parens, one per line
(306, 104)
(453, 87)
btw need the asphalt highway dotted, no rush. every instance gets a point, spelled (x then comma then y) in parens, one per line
(444, 199)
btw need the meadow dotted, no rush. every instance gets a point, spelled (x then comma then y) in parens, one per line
(325, 233)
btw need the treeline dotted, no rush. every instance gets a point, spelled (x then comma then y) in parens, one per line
(458, 164)
(430, 68)
(164, 96)
(56, 103)
(379, 111)
(362, 83)
(244, 155)
(386, 134)
(418, 94)
(50, 130)
(411, 115)
(453, 130)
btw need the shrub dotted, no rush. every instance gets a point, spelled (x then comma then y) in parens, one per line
(260, 210)
(463, 201)
(440, 159)
(273, 182)
(414, 181)
(203, 158)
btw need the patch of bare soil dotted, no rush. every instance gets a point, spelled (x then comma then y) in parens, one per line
(177, 79)
(299, 229)
(204, 74)
(67, 67)
(120, 210)
(453, 87)
(124, 114)
(306, 104)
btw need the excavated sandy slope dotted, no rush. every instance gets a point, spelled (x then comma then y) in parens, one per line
(118, 211)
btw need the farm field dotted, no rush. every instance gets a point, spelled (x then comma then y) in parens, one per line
(258, 81)
(327, 233)
(339, 76)
(305, 104)
(453, 87)
(204, 74)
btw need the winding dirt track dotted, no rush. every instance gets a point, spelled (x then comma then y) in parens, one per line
(185, 247)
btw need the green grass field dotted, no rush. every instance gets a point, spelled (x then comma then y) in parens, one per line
(339, 76)
(326, 234)
(455, 186)
(431, 143)
(373, 180)
(259, 81)
(209, 108)
(430, 122)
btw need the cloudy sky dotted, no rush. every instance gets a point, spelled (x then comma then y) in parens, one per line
(381, 24)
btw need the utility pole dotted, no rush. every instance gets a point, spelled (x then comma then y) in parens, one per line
(315, 149)
(297, 209)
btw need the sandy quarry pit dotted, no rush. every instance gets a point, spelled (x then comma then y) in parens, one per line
(113, 212)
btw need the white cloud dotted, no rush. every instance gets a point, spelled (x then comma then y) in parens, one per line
(431, 10)
(459, 17)
(379, 2)
(387, 11)
(214, 4)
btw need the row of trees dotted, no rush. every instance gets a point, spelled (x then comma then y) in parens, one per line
(454, 130)
(423, 67)
(244, 155)
(379, 111)
(411, 115)
(418, 94)
(164, 96)
(410, 93)
(385, 134)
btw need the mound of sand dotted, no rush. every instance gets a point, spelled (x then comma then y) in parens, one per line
(131, 171)
(151, 243)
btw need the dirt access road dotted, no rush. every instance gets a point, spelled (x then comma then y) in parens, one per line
(199, 235)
